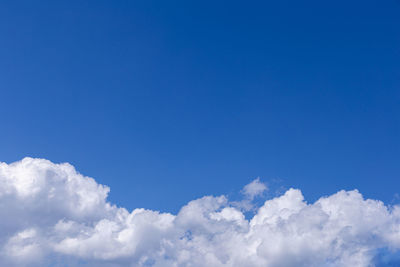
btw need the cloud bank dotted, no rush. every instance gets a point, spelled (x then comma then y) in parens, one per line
(51, 215)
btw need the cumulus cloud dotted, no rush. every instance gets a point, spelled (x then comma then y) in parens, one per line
(50, 215)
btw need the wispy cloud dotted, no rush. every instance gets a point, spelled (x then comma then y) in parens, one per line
(254, 189)
(52, 215)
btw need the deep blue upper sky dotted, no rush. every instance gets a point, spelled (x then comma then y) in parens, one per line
(166, 101)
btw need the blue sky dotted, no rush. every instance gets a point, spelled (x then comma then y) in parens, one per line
(166, 101)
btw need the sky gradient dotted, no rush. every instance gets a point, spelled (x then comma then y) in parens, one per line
(167, 101)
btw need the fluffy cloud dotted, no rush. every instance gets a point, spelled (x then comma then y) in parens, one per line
(254, 189)
(53, 216)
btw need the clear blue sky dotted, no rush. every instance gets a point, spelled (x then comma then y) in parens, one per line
(166, 101)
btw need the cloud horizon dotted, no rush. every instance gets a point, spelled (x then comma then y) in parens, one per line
(54, 216)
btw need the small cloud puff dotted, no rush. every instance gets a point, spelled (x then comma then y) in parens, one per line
(254, 189)
(53, 216)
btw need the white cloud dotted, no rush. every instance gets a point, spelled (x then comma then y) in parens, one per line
(254, 189)
(53, 216)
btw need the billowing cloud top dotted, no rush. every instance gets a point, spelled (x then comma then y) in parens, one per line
(53, 216)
